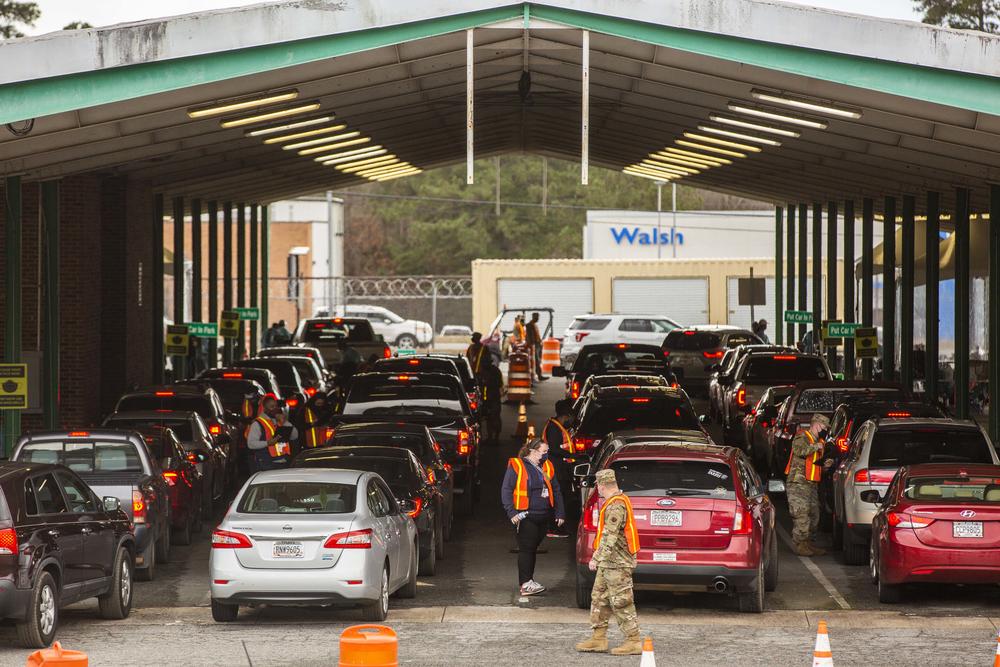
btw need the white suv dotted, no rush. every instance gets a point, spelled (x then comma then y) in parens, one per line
(393, 328)
(598, 328)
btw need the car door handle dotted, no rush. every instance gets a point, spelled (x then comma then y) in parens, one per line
(54, 533)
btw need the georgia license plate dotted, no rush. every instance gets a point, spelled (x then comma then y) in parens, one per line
(668, 518)
(967, 529)
(287, 550)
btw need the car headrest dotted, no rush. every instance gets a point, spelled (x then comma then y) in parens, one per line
(266, 505)
(929, 491)
(336, 506)
(992, 493)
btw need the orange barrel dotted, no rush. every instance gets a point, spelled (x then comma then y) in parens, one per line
(550, 355)
(57, 655)
(369, 646)
(518, 377)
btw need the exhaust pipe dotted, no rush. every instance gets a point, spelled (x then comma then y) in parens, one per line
(720, 584)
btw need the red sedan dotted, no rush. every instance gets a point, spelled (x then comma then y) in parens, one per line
(704, 520)
(938, 523)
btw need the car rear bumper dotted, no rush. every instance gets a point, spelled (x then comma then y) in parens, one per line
(14, 601)
(693, 578)
(908, 560)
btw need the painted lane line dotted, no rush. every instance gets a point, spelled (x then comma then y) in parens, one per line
(814, 570)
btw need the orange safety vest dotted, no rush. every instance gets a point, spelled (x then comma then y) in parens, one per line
(313, 436)
(279, 449)
(567, 440)
(477, 362)
(631, 532)
(520, 335)
(813, 468)
(247, 409)
(521, 485)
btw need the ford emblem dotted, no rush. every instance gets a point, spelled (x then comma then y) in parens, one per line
(665, 502)
(968, 514)
(287, 528)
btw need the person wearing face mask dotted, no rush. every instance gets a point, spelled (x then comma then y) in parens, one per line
(532, 499)
(269, 438)
(802, 476)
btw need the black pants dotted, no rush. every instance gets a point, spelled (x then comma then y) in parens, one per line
(530, 532)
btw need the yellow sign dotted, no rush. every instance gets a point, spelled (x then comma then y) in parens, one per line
(229, 324)
(13, 386)
(865, 342)
(177, 341)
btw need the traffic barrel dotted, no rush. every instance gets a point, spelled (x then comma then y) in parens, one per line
(822, 656)
(57, 655)
(996, 659)
(369, 646)
(648, 657)
(519, 377)
(550, 355)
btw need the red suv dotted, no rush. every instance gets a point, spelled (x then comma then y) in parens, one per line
(705, 522)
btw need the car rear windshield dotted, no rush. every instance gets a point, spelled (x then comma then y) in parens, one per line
(373, 396)
(398, 474)
(283, 370)
(330, 331)
(85, 456)
(977, 490)
(618, 360)
(402, 365)
(589, 324)
(415, 443)
(233, 392)
(826, 400)
(620, 413)
(646, 478)
(692, 340)
(180, 427)
(299, 498)
(784, 369)
(200, 404)
(892, 448)
(305, 367)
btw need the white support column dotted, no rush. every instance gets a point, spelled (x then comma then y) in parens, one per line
(585, 115)
(470, 61)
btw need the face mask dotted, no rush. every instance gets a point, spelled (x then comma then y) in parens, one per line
(543, 458)
(822, 434)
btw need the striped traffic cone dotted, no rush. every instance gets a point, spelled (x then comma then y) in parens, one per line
(822, 656)
(648, 657)
(522, 422)
(531, 432)
(996, 659)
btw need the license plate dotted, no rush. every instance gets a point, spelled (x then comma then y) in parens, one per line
(662, 557)
(668, 518)
(287, 550)
(967, 529)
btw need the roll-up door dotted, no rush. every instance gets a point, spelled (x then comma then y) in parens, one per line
(684, 300)
(568, 297)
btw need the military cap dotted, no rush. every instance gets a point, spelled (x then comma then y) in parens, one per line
(606, 477)
(821, 419)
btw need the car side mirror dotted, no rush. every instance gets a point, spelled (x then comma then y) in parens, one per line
(112, 504)
(407, 506)
(559, 371)
(871, 496)
(775, 486)
(581, 470)
(703, 419)
(715, 367)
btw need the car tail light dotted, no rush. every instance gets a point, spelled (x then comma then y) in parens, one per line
(866, 476)
(447, 466)
(418, 506)
(431, 477)
(386, 352)
(402, 378)
(580, 336)
(899, 415)
(310, 391)
(640, 400)
(170, 476)
(591, 515)
(79, 434)
(741, 397)
(842, 443)
(138, 507)
(215, 429)
(233, 375)
(354, 539)
(464, 446)
(904, 520)
(164, 393)
(717, 354)
(8, 542)
(413, 362)
(574, 391)
(225, 539)
(666, 353)
(689, 333)
(292, 402)
(473, 405)
(742, 522)
(330, 432)
(581, 444)
(784, 357)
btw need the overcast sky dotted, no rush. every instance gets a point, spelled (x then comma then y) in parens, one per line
(57, 13)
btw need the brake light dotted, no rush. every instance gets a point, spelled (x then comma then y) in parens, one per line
(330, 432)
(215, 429)
(866, 476)
(712, 355)
(138, 507)
(689, 333)
(79, 434)
(904, 520)
(842, 443)
(741, 397)
(225, 539)
(591, 515)
(473, 405)
(622, 346)
(666, 353)
(431, 477)
(640, 400)
(418, 505)
(447, 466)
(463, 442)
(899, 415)
(170, 477)
(581, 444)
(386, 352)
(742, 522)
(574, 391)
(164, 393)
(319, 325)
(413, 362)
(8, 542)
(233, 375)
(354, 539)
(784, 357)
(292, 402)
(310, 391)
(338, 320)
(581, 336)
(402, 378)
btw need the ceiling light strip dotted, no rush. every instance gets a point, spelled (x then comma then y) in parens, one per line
(348, 156)
(333, 147)
(399, 175)
(240, 103)
(320, 141)
(725, 120)
(711, 149)
(269, 115)
(668, 167)
(722, 142)
(284, 127)
(358, 165)
(301, 135)
(779, 117)
(807, 104)
(657, 172)
(718, 161)
(383, 169)
(683, 161)
(633, 172)
(738, 135)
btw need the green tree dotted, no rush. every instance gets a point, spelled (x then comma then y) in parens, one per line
(77, 25)
(981, 15)
(13, 14)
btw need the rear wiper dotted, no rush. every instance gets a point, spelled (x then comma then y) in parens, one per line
(687, 492)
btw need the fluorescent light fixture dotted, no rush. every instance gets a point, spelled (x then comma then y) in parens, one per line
(384, 169)
(284, 127)
(808, 105)
(301, 135)
(240, 103)
(632, 171)
(299, 250)
(721, 142)
(676, 159)
(737, 135)
(389, 177)
(710, 149)
(779, 117)
(347, 156)
(333, 147)
(755, 126)
(383, 160)
(395, 169)
(668, 167)
(264, 116)
(321, 140)
(711, 159)
(657, 172)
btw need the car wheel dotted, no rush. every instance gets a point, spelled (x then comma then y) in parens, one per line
(378, 609)
(465, 501)
(148, 572)
(837, 533)
(428, 559)
(163, 544)
(771, 572)
(184, 532)
(888, 593)
(752, 602)
(224, 613)
(583, 588)
(409, 589)
(439, 536)
(449, 523)
(116, 604)
(42, 618)
(408, 341)
(872, 564)
(855, 549)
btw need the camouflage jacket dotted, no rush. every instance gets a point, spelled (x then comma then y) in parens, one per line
(612, 552)
(802, 448)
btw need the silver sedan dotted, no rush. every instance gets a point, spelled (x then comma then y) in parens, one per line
(304, 537)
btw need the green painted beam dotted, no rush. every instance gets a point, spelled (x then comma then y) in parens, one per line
(213, 279)
(13, 225)
(265, 266)
(50, 307)
(779, 272)
(963, 280)
(932, 302)
(850, 309)
(254, 274)
(789, 277)
(156, 302)
(994, 311)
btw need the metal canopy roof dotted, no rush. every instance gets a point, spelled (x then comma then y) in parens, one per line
(116, 99)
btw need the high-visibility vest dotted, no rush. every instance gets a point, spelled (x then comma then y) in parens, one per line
(521, 485)
(278, 449)
(813, 468)
(247, 409)
(314, 438)
(520, 335)
(631, 532)
(477, 362)
(567, 440)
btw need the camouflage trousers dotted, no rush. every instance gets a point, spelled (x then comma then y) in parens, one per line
(612, 594)
(803, 503)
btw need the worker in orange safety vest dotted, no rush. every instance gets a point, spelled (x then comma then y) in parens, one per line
(802, 476)
(269, 438)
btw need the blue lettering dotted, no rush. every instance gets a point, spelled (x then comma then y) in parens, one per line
(644, 239)
(632, 235)
(679, 238)
(624, 233)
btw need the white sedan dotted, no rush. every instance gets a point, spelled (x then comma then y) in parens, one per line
(304, 537)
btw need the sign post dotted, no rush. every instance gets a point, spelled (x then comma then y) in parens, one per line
(752, 292)
(13, 386)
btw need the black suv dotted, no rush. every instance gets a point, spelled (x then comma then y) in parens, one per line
(59, 544)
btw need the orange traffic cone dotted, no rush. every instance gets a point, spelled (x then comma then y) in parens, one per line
(822, 657)
(531, 432)
(648, 657)
(996, 660)
(522, 422)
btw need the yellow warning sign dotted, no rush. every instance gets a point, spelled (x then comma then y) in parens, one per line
(229, 324)
(177, 340)
(13, 386)
(865, 342)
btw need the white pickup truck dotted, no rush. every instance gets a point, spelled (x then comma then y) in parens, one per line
(393, 328)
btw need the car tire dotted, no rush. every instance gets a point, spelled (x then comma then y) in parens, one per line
(148, 573)
(116, 604)
(408, 341)
(466, 502)
(872, 564)
(376, 610)
(409, 589)
(449, 523)
(163, 544)
(752, 602)
(584, 586)
(855, 550)
(428, 559)
(224, 613)
(837, 533)
(184, 532)
(42, 615)
(439, 530)
(771, 572)
(889, 593)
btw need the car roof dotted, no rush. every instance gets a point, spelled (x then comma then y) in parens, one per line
(649, 390)
(336, 475)
(186, 389)
(18, 469)
(655, 378)
(359, 451)
(421, 374)
(683, 450)
(289, 348)
(419, 359)
(845, 384)
(157, 415)
(598, 347)
(660, 435)
(929, 469)
(910, 422)
(381, 427)
(92, 434)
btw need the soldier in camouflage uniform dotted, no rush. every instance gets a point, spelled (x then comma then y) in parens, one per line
(614, 561)
(803, 474)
